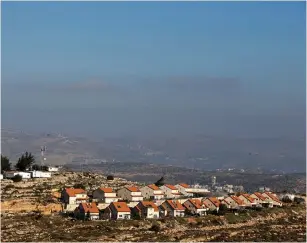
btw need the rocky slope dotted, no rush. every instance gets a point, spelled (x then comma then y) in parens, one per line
(43, 194)
(281, 224)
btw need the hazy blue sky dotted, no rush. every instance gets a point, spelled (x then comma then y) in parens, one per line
(114, 68)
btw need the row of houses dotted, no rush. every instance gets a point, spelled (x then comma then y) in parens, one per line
(129, 194)
(130, 201)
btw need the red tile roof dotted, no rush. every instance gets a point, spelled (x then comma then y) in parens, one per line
(153, 187)
(133, 189)
(237, 200)
(259, 195)
(272, 197)
(120, 207)
(89, 207)
(73, 191)
(148, 204)
(184, 185)
(197, 203)
(215, 201)
(249, 198)
(225, 202)
(176, 205)
(171, 187)
(106, 189)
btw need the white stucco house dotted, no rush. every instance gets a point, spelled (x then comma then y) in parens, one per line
(272, 198)
(105, 195)
(173, 208)
(248, 200)
(234, 202)
(185, 189)
(261, 200)
(87, 211)
(152, 192)
(212, 203)
(170, 191)
(147, 209)
(132, 194)
(117, 210)
(195, 206)
(72, 197)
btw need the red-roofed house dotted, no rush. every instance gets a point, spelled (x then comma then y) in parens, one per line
(74, 196)
(87, 211)
(152, 192)
(146, 209)
(212, 203)
(132, 194)
(185, 189)
(248, 200)
(195, 206)
(272, 198)
(105, 195)
(170, 191)
(234, 202)
(260, 199)
(117, 210)
(173, 208)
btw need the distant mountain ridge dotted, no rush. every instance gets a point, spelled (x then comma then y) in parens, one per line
(198, 151)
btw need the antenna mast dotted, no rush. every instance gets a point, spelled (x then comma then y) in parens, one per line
(43, 158)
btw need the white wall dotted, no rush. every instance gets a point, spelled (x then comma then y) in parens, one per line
(24, 175)
(123, 215)
(40, 174)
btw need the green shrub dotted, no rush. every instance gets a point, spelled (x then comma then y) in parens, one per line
(155, 227)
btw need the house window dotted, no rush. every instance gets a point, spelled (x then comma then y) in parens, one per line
(120, 216)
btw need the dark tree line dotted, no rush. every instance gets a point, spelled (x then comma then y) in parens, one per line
(26, 161)
(5, 163)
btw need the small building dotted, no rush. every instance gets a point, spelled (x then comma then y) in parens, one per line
(170, 191)
(195, 206)
(132, 194)
(105, 195)
(272, 198)
(117, 210)
(11, 174)
(212, 203)
(248, 200)
(234, 202)
(261, 200)
(185, 189)
(174, 208)
(40, 174)
(146, 209)
(87, 211)
(53, 168)
(152, 192)
(74, 196)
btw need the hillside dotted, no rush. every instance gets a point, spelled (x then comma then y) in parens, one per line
(201, 152)
(269, 225)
